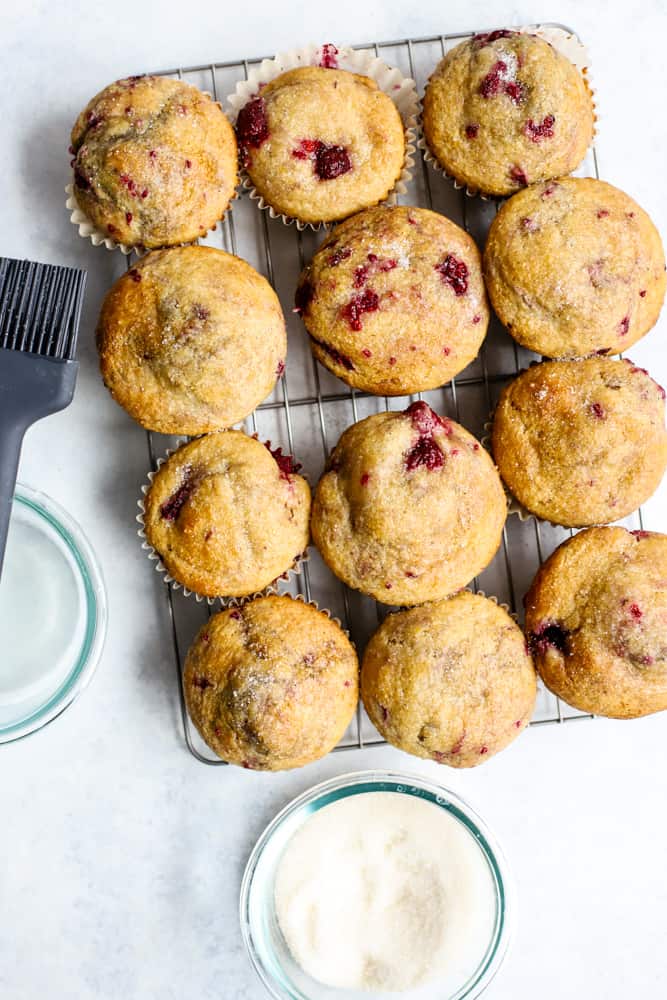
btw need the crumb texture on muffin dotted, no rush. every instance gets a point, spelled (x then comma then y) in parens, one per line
(575, 267)
(191, 340)
(596, 620)
(394, 300)
(225, 516)
(506, 109)
(581, 442)
(410, 508)
(155, 161)
(451, 681)
(320, 144)
(272, 684)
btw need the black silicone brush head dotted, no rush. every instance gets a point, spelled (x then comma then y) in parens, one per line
(40, 307)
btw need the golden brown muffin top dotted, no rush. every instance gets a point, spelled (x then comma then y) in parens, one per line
(581, 442)
(320, 144)
(575, 267)
(226, 515)
(394, 300)
(506, 109)
(451, 681)
(271, 685)
(191, 340)
(155, 161)
(596, 618)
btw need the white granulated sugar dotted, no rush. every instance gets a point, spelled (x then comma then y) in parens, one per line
(385, 891)
(510, 60)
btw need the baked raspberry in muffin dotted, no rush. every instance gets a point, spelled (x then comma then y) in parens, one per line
(596, 620)
(226, 515)
(155, 161)
(451, 681)
(410, 507)
(191, 340)
(506, 109)
(320, 144)
(394, 300)
(581, 442)
(271, 685)
(575, 267)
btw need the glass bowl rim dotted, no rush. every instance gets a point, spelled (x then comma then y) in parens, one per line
(85, 560)
(405, 783)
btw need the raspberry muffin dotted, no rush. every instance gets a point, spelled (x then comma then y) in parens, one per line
(575, 267)
(581, 442)
(596, 620)
(155, 161)
(271, 685)
(410, 507)
(394, 301)
(191, 340)
(451, 681)
(226, 515)
(506, 109)
(320, 144)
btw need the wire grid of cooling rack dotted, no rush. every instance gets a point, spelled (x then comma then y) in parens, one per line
(310, 408)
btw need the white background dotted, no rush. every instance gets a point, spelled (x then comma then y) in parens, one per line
(120, 856)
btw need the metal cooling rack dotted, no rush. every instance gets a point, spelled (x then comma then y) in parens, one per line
(310, 408)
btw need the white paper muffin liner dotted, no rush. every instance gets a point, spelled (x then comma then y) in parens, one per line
(293, 571)
(568, 45)
(401, 89)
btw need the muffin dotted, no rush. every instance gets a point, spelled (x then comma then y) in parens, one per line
(581, 442)
(320, 144)
(271, 685)
(191, 340)
(410, 507)
(596, 619)
(394, 301)
(155, 161)
(226, 515)
(575, 267)
(506, 109)
(451, 681)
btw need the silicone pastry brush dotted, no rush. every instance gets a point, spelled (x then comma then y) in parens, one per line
(40, 309)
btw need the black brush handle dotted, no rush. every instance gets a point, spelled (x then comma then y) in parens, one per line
(31, 387)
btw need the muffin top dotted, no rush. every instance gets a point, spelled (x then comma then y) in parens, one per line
(451, 680)
(191, 340)
(271, 685)
(319, 144)
(394, 300)
(596, 619)
(575, 267)
(581, 442)
(410, 508)
(226, 515)
(155, 161)
(506, 109)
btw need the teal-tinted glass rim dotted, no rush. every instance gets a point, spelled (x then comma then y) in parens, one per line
(394, 781)
(96, 614)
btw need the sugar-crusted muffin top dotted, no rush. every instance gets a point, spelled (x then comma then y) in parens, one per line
(394, 300)
(410, 508)
(581, 442)
(226, 515)
(191, 340)
(271, 685)
(451, 681)
(320, 144)
(506, 109)
(596, 619)
(575, 267)
(155, 161)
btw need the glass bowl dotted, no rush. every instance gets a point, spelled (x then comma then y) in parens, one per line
(268, 951)
(51, 589)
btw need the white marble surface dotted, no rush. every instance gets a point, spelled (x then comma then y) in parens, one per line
(120, 856)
